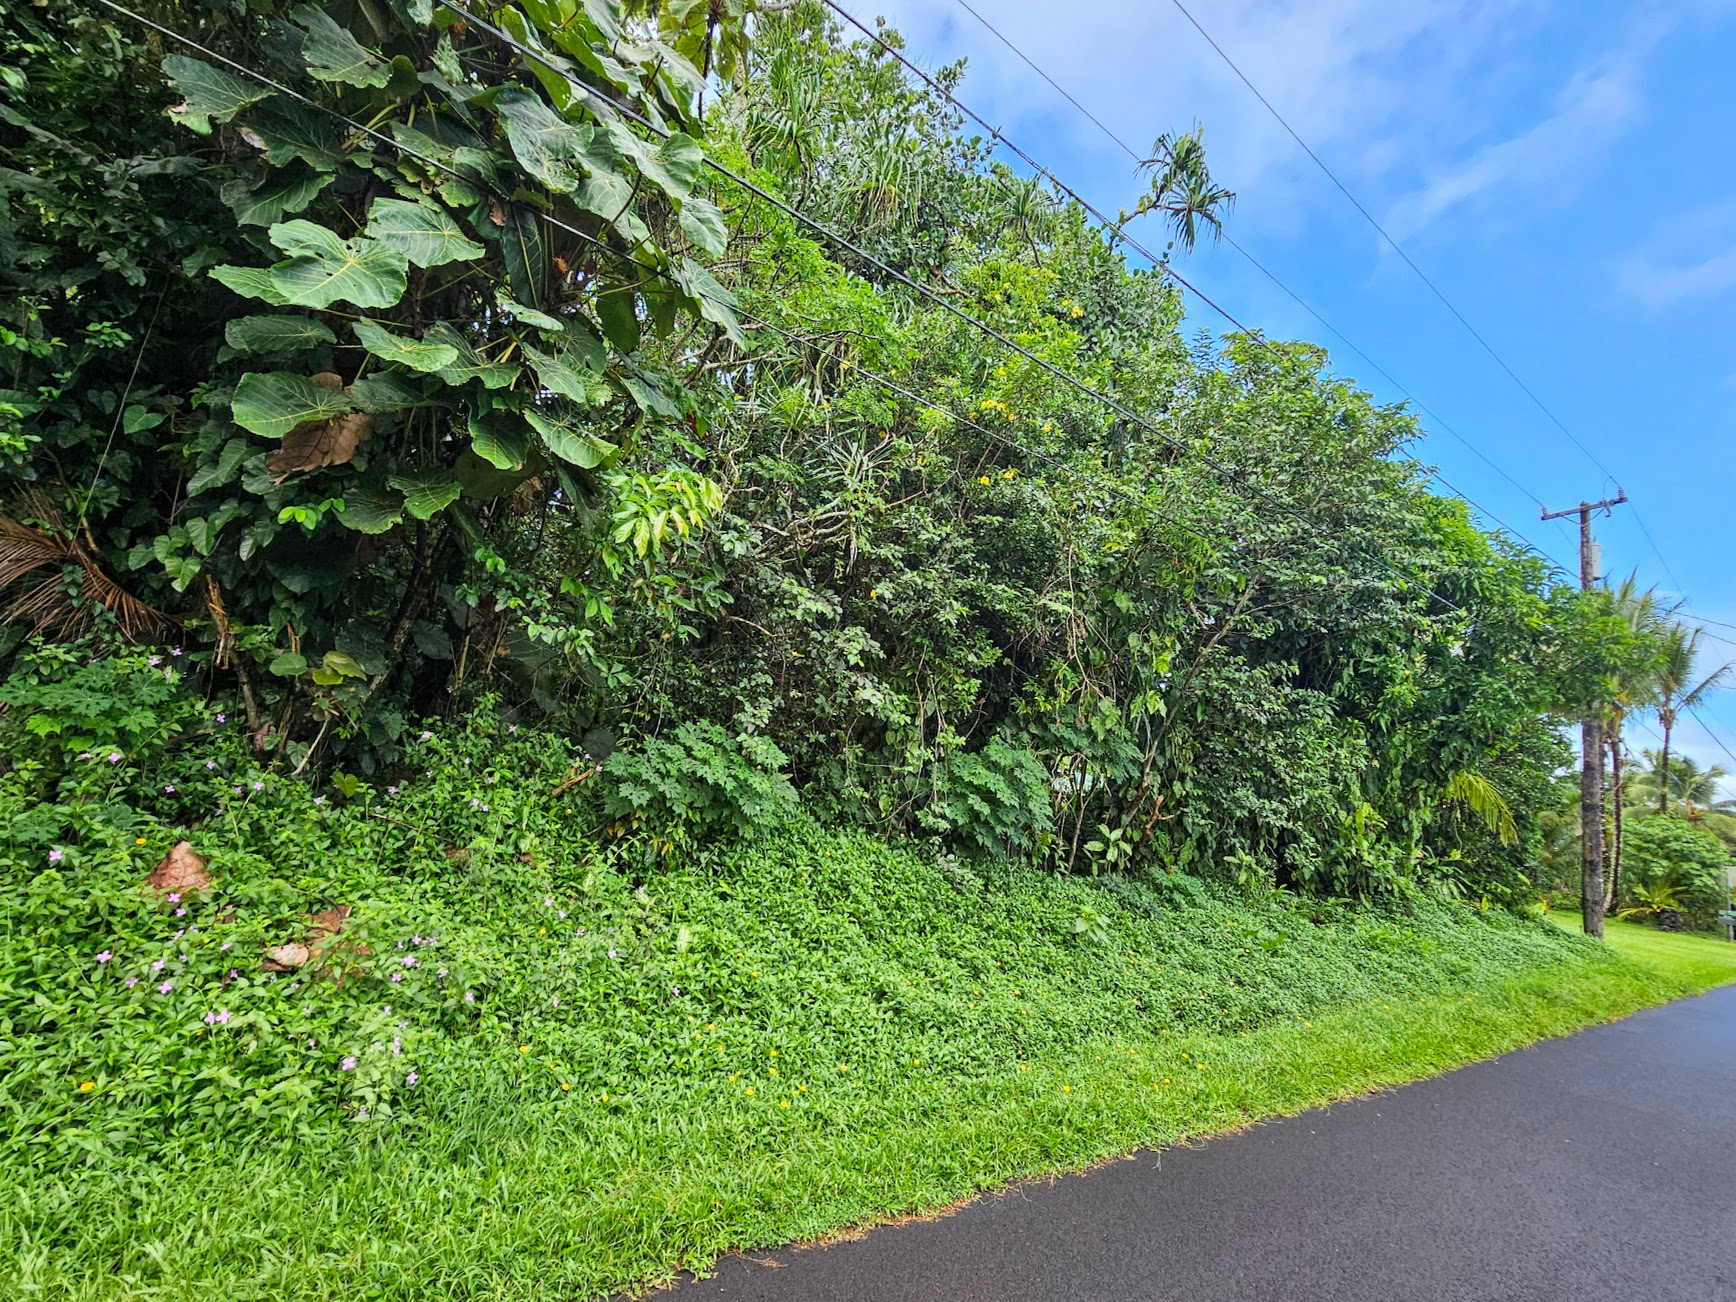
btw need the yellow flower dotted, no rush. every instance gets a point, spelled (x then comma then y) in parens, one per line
(784, 1103)
(711, 1026)
(1021, 1066)
(565, 1086)
(844, 1067)
(524, 1048)
(732, 1080)
(771, 1071)
(982, 479)
(750, 1089)
(87, 1087)
(1009, 474)
(543, 931)
(873, 593)
(139, 841)
(801, 1089)
(1048, 427)
(605, 1098)
(1078, 312)
(1066, 1089)
(774, 1053)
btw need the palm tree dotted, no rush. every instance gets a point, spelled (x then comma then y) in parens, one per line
(1182, 187)
(1628, 693)
(1675, 671)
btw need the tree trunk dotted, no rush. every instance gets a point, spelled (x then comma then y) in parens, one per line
(1667, 717)
(1591, 826)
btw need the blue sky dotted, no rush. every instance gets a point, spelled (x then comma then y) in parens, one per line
(1564, 171)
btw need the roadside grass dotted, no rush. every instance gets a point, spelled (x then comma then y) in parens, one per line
(1703, 959)
(491, 1190)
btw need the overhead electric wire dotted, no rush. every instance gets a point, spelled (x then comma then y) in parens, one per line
(1133, 153)
(1422, 276)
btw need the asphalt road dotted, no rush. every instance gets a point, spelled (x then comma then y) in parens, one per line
(1602, 1166)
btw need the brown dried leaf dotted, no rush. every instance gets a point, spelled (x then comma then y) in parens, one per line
(318, 444)
(331, 921)
(285, 958)
(180, 870)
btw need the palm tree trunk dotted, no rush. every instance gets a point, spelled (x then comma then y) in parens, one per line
(1667, 717)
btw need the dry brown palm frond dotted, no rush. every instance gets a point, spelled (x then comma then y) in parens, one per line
(61, 583)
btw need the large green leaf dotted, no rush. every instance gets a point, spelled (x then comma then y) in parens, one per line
(427, 494)
(469, 364)
(573, 445)
(287, 190)
(671, 166)
(323, 269)
(332, 54)
(422, 233)
(289, 130)
(388, 391)
(702, 223)
(620, 320)
(276, 334)
(250, 282)
(209, 94)
(481, 480)
(501, 439)
(559, 374)
(371, 512)
(525, 254)
(273, 403)
(417, 354)
(715, 303)
(531, 317)
(550, 148)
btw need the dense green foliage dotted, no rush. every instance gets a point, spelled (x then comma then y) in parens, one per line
(508, 395)
(1664, 850)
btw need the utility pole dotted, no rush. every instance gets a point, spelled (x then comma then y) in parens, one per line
(1591, 852)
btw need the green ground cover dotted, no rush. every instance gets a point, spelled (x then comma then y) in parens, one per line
(660, 1061)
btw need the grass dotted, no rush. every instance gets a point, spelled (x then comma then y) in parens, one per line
(1701, 959)
(490, 1190)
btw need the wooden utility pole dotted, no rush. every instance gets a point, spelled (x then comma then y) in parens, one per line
(1591, 852)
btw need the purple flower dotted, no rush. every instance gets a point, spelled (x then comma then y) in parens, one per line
(183, 958)
(391, 791)
(319, 800)
(581, 931)
(561, 914)
(548, 901)
(174, 897)
(84, 755)
(223, 718)
(427, 736)
(176, 651)
(259, 786)
(226, 944)
(232, 974)
(470, 996)
(387, 1010)
(169, 790)
(397, 1046)
(114, 757)
(397, 976)
(512, 728)
(411, 1079)
(555, 1002)
(158, 966)
(675, 989)
(166, 987)
(179, 934)
(55, 856)
(361, 1114)
(215, 1018)
(210, 764)
(181, 912)
(441, 974)
(130, 982)
(409, 960)
(611, 953)
(105, 956)
(348, 1064)
(154, 661)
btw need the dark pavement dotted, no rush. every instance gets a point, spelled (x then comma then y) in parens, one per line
(1602, 1166)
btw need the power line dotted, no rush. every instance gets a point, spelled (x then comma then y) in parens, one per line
(1422, 276)
(1717, 740)
(844, 242)
(1132, 153)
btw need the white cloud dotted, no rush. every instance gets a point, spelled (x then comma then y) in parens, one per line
(1660, 286)
(1684, 256)
(1590, 115)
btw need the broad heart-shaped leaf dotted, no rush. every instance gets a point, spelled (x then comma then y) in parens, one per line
(620, 320)
(702, 222)
(523, 250)
(560, 375)
(469, 364)
(390, 391)
(210, 94)
(501, 438)
(546, 145)
(531, 317)
(417, 354)
(332, 54)
(250, 282)
(371, 512)
(289, 130)
(276, 334)
(479, 480)
(572, 445)
(422, 233)
(323, 269)
(670, 166)
(287, 190)
(427, 494)
(715, 303)
(272, 403)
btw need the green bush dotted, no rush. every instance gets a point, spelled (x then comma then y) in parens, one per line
(697, 784)
(1663, 850)
(994, 802)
